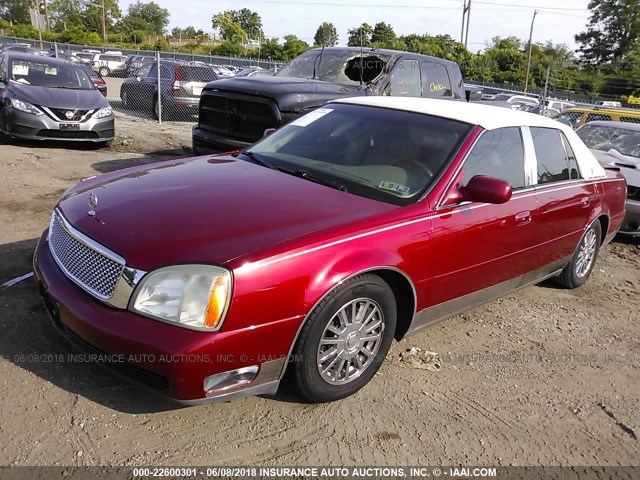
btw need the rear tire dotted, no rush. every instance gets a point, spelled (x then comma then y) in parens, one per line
(578, 270)
(104, 71)
(345, 339)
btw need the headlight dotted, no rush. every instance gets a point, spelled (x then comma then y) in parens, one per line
(193, 296)
(25, 107)
(103, 112)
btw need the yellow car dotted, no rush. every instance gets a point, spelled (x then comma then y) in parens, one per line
(577, 116)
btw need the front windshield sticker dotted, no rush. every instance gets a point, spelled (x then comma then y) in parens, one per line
(50, 71)
(20, 70)
(311, 117)
(394, 187)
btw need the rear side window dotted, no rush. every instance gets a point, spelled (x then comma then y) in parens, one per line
(197, 74)
(405, 79)
(594, 117)
(498, 153)
(630, 119)
(436, 81)
(552, 159)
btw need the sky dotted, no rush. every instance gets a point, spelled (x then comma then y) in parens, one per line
(557, 20)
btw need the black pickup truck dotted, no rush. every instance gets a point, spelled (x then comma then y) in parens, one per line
(234, 113)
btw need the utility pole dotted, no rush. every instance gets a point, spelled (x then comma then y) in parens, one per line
(466, 37)
(464, 16)
(46, 16)
(104, 24)
(526, 79)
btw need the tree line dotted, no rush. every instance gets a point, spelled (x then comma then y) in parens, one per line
(607, 61)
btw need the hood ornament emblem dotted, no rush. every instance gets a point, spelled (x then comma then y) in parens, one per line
(69, 114)
(93, 203)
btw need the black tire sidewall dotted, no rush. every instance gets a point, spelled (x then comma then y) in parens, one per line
(311, 383)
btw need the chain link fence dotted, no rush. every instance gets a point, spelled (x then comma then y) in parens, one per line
(162, 86)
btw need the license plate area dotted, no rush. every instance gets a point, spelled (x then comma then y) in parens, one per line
(69, 127)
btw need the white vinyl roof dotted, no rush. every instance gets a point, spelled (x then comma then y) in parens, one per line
(489, 117)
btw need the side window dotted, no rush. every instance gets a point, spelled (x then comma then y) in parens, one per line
(2, 69)
(405, 79)
(498, 153)
(145, 70)
(592, 117)
(553, 164)
(570, 118)
(574, 171)
(435, 80)
(166, 72)
(630, 119)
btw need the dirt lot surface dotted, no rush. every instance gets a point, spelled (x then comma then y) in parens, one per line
(541, 377)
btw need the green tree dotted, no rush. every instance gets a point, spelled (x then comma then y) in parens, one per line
(15, 11)
(271, 48)
(228, 28)
(148, 17)
(79, 35)
(383, 35)
(612, 32)
(363, 32)
(326, 35)
(227, 24)
(228, 49)
(293, 47)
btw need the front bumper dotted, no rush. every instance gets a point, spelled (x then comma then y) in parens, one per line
(204, 142)
(42, 127)
(171, 360)
(631, 223)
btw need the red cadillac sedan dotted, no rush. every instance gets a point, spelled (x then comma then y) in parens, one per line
(366, 220)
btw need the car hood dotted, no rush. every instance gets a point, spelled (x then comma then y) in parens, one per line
(291, 94)
(631, 174)
(58, 97)
(208, 209)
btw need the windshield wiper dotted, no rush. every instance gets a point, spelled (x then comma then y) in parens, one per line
(307, 176)
(257, 160)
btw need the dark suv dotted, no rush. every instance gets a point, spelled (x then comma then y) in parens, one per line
(181, 86)
(235, 112)
(134, 62)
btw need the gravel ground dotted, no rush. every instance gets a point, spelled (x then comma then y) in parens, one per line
(544, 376)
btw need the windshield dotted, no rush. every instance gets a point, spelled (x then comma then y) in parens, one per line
(43, 74)
(605, 138)
(383, 154)
(336, 66)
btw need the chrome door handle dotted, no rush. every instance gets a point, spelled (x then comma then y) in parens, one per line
(523, 218)
(584, 201)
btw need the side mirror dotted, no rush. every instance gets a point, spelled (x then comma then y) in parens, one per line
(485, 189)
(268, 132)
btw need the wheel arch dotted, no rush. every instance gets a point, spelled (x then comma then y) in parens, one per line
(400, 284)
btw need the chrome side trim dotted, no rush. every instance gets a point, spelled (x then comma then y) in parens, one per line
(315, 305)
(125, 287)
(432, 315)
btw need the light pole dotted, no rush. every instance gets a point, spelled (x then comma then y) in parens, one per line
(104, 14)
(526, 78)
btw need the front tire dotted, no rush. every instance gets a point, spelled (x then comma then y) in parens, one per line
(104, 71)
(345, 339)
(576, 273)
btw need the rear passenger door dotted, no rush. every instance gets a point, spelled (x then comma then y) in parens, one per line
(565, 200)
(492, 242)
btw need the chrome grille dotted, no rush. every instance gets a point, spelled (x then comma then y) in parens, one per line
(90, 268)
